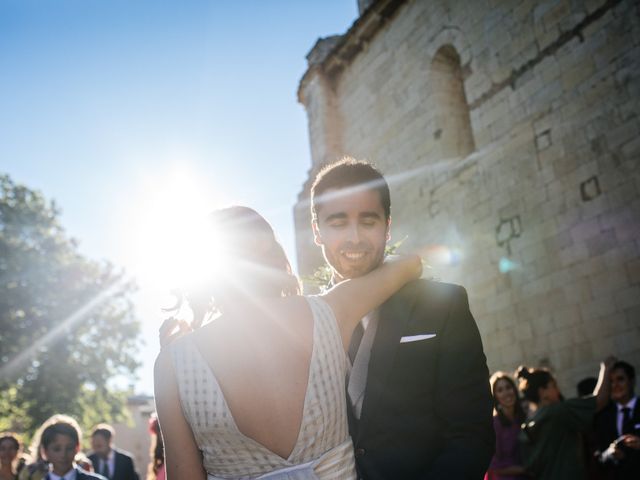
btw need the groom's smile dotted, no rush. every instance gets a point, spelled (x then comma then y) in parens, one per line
(357, 260)
(352, 230)
(354, 255)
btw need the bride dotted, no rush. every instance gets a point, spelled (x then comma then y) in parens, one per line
(259, 392)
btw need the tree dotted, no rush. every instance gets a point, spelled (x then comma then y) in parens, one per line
(67, 323)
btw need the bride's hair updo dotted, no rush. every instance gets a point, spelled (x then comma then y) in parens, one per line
(256, 264)
(532, 379)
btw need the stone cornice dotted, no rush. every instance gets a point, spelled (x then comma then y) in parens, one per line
(346, 47)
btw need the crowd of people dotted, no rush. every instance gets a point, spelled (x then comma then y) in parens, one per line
(55, 454)
(539, 435)
(542, 435)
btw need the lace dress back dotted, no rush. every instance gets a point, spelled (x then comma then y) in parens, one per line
(323, 449)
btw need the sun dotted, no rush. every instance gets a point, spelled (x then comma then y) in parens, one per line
(169, 242)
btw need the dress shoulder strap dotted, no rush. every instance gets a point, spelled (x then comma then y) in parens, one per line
(321, 310)
(326, 328)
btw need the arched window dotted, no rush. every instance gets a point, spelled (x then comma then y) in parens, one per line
(452, 130)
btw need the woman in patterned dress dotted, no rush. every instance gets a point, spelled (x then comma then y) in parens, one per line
(259, 392)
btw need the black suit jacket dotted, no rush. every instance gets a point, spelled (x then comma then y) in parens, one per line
(427, 409)
(606, 430)
(84, 475)
(123, 468)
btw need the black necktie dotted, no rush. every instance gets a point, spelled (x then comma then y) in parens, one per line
(105, 469)
(627, 426)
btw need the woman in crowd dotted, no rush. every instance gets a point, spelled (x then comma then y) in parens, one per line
(9, 449)
(260, 391)
(155, 471)
(506, 463)
(552, 442)
(38, 468)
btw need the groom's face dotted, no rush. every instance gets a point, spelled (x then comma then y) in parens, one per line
(352, 230)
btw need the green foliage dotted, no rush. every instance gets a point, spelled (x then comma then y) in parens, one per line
(12, 411)
(67, 323)
(322, 276)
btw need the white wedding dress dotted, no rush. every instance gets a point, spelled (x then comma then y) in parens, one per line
(323, 449)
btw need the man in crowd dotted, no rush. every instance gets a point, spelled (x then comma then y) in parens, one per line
(618, 425)
(418, 388)
(108, 461)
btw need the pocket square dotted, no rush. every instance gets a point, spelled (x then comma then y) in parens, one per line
(416, 338)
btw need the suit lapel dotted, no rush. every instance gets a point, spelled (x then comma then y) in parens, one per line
(394, 316)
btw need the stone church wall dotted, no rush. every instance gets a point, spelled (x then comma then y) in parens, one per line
(510, 134)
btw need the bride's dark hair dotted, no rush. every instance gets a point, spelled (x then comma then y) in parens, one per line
(260, 265)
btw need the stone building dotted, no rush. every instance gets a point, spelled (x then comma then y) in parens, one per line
(510, 134)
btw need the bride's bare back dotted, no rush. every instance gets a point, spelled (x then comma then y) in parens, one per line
(260, 356)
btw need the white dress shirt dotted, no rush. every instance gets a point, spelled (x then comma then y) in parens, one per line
(359, 371)
(111, 464)
(70, 475)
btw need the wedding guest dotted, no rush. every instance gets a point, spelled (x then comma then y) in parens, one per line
(618, 426)
(109, 461)
(156, 469)
(553, 446)
(38, 468)
(506, 463)
(585, 388)
(60, 443)
(9, 449)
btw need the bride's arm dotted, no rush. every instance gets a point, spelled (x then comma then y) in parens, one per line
(353, 299)
(182, 455)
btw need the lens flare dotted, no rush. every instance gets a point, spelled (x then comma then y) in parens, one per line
(505, 265)
(441, 255)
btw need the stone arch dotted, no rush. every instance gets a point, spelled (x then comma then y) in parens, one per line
(452, 129)
(451, 36)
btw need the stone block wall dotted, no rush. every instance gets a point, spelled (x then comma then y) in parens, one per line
(535, 207)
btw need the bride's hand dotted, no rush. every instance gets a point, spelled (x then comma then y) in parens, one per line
(171, 329)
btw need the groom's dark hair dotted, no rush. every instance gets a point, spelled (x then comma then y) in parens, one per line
(351, 174)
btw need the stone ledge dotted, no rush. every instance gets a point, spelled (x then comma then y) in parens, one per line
(342, 49)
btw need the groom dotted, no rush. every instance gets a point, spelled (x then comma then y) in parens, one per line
(418, 388)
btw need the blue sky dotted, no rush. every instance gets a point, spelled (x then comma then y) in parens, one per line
(132, 113)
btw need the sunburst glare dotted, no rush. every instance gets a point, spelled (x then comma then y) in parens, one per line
(170, 242)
